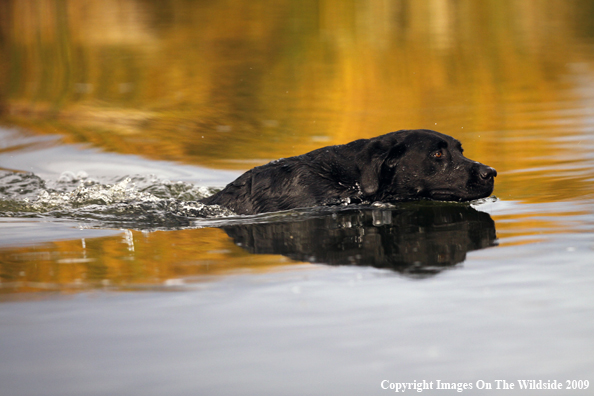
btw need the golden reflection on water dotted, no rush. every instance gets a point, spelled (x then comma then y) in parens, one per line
(242, 82)
(232, 84)
(129, 261)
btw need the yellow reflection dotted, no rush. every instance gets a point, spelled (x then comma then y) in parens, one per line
(128, 261)
(523, 229)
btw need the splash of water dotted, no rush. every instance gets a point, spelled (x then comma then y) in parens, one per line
(135, 202)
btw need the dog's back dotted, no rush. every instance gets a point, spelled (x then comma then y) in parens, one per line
(315, 178)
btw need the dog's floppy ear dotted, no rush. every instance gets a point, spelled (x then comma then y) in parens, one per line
(371, 160)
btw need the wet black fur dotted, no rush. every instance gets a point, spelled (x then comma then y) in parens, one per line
(399, 166)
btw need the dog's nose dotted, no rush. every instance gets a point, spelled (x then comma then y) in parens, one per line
(487, 172)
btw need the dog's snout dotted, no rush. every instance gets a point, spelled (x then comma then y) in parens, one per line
(486, 172)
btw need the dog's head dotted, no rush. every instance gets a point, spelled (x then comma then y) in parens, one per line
(416, 164)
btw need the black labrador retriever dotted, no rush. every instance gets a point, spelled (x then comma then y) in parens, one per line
(399, 166)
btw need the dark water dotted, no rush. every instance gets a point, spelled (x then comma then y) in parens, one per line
(117, 116)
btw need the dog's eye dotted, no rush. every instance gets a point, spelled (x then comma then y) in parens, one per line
(437, 154)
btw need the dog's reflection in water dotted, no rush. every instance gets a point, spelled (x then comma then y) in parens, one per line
(418, 239)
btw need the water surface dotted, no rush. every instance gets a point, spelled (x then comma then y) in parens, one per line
(117, 116)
